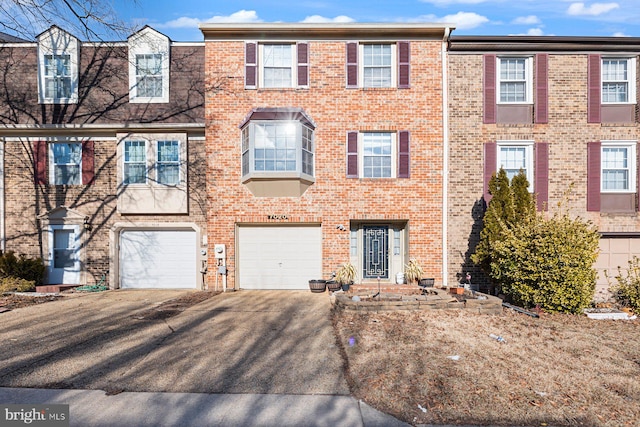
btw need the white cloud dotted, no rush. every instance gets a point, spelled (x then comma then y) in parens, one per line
(620, 34)
(463, 20)
(241, 16)
(595, 9)
(535, 32)
(317, 19)
(526, 20)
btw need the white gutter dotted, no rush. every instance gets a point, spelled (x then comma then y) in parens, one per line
(445, 158)
(2, 213)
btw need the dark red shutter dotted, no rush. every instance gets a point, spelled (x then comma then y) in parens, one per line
(542, 89)
(40, 162)
(88, 170)
(352, 154)
(404, 160)
(404, 67)
(352, 64)
(303, 65)
(541, 175)
(489, 89)
(593, 176)
(490, 162)
(250, 65)
(594, 89)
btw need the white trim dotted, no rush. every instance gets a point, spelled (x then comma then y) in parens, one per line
(529, 154)
(3, 235)
(294, 65)
(394, 154)
(528, 79)
(394, 64)
(149, 41)
(631, 79)
(445, 160)
(632, 167)
(51, 162)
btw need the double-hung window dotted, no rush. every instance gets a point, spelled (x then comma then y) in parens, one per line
(618, 80)
(377, 65)
(378, 155)
(515, 80)
(135, 162)
(278, 65)
(149, 75)
(57, 76)
(168, 164)
(66, 163)
(618, 165)
(516, 156)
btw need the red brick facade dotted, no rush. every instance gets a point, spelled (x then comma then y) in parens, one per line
(333, 200)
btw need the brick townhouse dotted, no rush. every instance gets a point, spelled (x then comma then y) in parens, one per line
(325, 144)
(102, 147)
(563, 109)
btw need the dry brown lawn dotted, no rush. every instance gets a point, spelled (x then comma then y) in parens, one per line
(556, 370)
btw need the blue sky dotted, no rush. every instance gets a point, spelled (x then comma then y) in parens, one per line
(179, 19)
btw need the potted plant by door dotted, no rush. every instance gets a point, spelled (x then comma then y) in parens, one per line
(345, 275)
(413, 271)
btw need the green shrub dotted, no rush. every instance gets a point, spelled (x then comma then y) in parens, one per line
(511, 204)
(31, 269)
(16, 284)
(548, 263)
(627, 290)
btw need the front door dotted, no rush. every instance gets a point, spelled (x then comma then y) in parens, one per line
(64, 262)
(376, 252)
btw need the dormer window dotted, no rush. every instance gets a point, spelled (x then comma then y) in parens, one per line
(149, 67)
(57, 67)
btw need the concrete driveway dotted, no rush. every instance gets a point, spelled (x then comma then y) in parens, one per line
(241, 342)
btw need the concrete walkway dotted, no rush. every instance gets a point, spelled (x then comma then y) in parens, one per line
(243, 358)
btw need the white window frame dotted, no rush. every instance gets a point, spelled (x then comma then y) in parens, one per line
(394, 64)
(174, 163)
(145, 161)
(145, 42)
(528, 79)
(56, 43)
(631, 164)
(528, 147)
(293, 65)
(630, 81)
(394, 154)
(53, 164)
(248, 148)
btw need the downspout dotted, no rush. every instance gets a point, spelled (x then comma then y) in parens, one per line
(445, 157)
(2, 213)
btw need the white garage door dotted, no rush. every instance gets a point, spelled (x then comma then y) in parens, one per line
(614, 252)
(279, 257)
(158, 259)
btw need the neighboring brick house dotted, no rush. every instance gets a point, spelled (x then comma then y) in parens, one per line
(325, 144)
(103, 158)
(565, 110)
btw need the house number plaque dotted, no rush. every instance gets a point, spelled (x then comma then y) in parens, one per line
(280, 217)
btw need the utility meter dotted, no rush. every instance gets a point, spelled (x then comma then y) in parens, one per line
(220, 251)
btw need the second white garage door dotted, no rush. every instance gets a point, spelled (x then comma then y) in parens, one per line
(279, 257)
(614, 252)
(158, 259)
